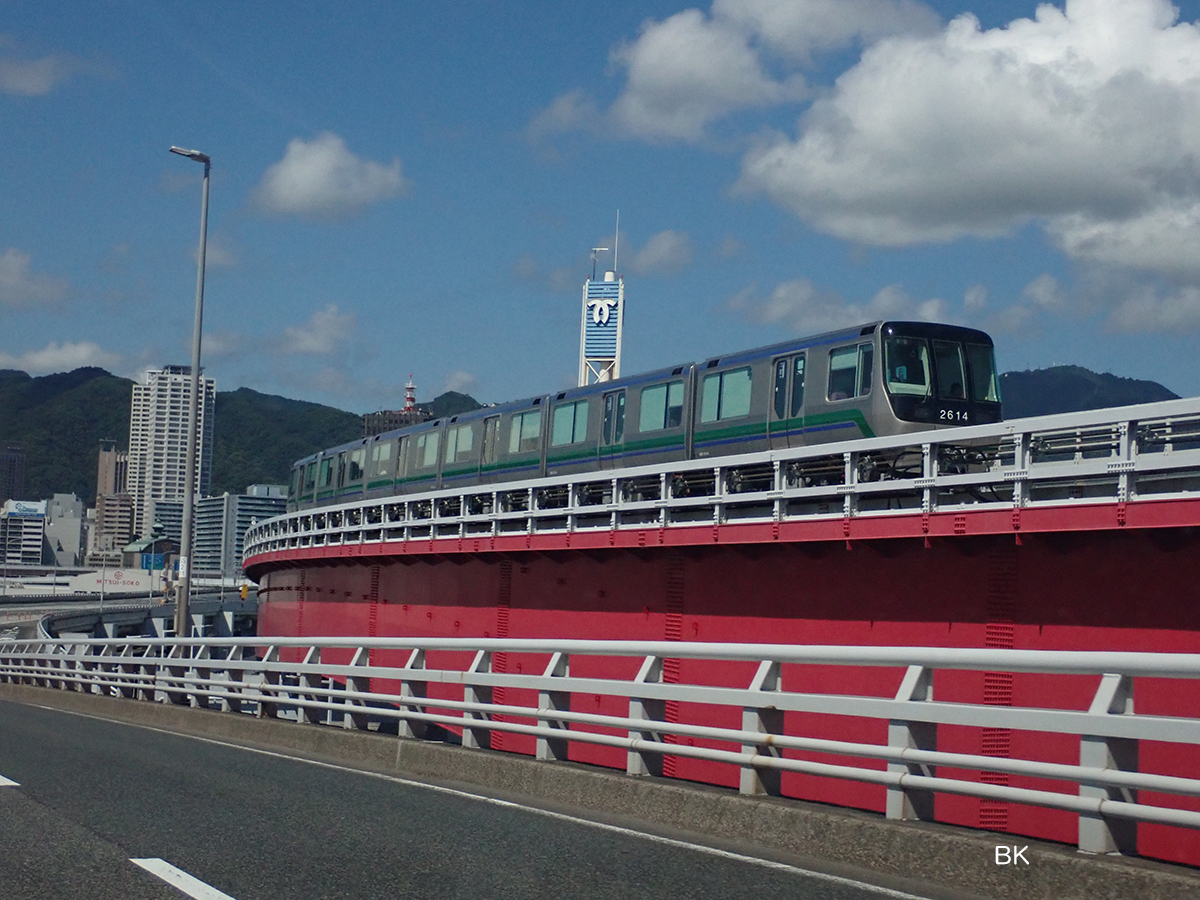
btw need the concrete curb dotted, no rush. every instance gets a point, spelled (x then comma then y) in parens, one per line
(956, 858)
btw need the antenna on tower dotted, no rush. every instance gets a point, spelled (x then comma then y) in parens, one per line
(596, 250)
(616, 241)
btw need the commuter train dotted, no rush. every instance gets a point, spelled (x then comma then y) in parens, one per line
(800, 392)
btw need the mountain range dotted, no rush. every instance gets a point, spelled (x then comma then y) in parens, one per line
(61, 419)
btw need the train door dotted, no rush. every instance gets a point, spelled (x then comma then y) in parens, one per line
(612, 432)
(489, 450)
(785, 421)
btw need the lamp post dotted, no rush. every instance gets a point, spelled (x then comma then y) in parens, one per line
(182, 617)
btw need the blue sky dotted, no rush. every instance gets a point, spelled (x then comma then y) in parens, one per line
(414, 188)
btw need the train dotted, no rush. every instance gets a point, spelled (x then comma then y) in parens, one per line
(804, 391)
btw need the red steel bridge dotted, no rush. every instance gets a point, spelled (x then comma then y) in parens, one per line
(1070, 532)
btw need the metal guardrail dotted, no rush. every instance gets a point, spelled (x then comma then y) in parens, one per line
(250, 675)
(1110, 455)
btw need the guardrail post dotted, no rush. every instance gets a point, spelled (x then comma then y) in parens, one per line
(908, 803)
(176, 694)
(1098, 833)
(554, 701)
(359, 685)
(269, 708)
(478, 738)
(231, 700)
(638, 762)
(767, 719)
(197, 691)
(307, 715)
(412, 688)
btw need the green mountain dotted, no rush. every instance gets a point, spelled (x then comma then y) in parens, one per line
(1059, 389)
(61, 419)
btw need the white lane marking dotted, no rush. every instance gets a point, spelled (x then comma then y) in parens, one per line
(181, 880)
(4, 782)
(495, 801)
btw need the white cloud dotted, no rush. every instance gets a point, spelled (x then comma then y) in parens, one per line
(557, 280)
(1044, 292)
(459, 381)
(219, 253)
(56, 357)
(1146, 309)
(806, 309)
(34, 77)
(327, 331)
(689, 70)
(975, 298)
(21, 286)
(322, 179)
(1086, 119)
(668, 251)
(692, 69)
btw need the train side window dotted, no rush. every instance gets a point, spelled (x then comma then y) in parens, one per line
(459, 442)
(948, 361)
(525, 430)
(341, 468)
(326, 472)
(798, 385)
(726, 395)
(354, 470)
(781, 380)
(843, 372)
(491, 439)
(982, 362)
(662, 406)
(427, 449)
(570, 423)
(866, 361)
(295, 485)
(381, 460)
(310, 477)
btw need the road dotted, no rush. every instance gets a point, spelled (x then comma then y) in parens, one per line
(92, 795)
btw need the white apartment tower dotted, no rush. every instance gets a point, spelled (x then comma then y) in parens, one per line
(158, 428)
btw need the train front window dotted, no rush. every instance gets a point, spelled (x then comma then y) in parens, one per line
(948, 361)
(906, 363)
(982, 362)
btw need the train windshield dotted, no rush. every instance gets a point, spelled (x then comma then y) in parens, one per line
(947, 374)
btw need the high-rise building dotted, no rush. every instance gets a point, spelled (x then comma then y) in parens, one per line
(12, 470)
(222, 522)
(158, 429)
(112, 524)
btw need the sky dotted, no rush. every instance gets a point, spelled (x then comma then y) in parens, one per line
(412, 188)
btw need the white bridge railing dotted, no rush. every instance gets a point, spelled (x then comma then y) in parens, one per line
(1110, 455)
(455, 684)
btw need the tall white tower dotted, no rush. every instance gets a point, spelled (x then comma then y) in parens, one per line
(600, 330)
(158, 428)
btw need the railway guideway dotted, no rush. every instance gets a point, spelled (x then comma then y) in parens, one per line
(1068, 532)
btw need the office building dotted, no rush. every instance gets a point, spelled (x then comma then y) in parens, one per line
(158, 430)
(222, 522)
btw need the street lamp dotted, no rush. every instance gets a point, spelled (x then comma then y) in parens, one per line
(182, 618)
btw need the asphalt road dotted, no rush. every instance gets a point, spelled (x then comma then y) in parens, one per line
(91, 795)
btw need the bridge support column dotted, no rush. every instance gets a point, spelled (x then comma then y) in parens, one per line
(554, 701)
(1099, 833)
(478, 738)
(906, 803)
(639, 762)
(768, 719)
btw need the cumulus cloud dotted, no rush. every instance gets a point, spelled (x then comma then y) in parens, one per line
(21, 286)
(56, 357)
(327, 331)
(1150, 309)
(686, 72)
(666, 252)
(34, 77)
(323, 179)
(1085, 119)
(805, 308)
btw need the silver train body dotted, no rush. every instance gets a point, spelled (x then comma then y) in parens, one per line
(882, 378)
